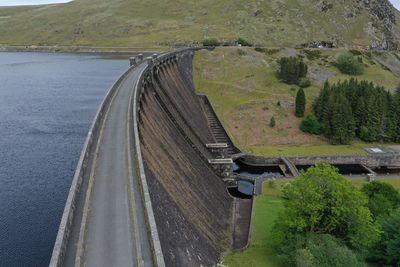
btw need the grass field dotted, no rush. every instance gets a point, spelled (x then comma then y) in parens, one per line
(267, 206)
(245, 92)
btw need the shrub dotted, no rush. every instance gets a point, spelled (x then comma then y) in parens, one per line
(324, 250)
(304, 82)
(244, 42)
(241, 52)
(211, 42)
(312, 54)
(382, 197)
(347, 63)
(387, 249)
(310, 124)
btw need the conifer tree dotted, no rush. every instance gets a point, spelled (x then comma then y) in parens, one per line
(300, 103)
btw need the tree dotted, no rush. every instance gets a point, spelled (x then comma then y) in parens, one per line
(341, 127)
(371, 112)
(325, 251)
(310, 124)
(387, 249)
(272, 122)
(349, 64)
(292, 69)
(300, 103)
(321, 201)
(382, 197)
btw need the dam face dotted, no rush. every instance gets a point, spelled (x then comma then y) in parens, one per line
(192, 207)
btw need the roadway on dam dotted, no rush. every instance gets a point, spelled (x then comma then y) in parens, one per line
(115, 232)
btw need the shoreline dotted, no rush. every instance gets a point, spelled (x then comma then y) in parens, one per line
(84, 49)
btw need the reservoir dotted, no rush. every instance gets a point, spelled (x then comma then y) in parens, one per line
(47, 103)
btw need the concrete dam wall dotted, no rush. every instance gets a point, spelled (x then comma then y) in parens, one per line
(192, 207)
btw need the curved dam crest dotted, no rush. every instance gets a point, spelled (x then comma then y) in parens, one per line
(168, 193)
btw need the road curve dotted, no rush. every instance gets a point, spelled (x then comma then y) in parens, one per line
(115, 232)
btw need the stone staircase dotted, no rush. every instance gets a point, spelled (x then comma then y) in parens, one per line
(217, 129)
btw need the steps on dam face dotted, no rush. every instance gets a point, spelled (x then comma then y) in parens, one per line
(217, 130)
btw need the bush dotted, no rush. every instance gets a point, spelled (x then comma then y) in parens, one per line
(304, 82)
(244, 42)
(347, 63)
(382, 197)
(310, 124)
(312, 54)
(211, 42)
(325, 251)
(387, 249)
(365, 134)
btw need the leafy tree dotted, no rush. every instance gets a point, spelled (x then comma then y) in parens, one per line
(310, 124)
(382, 197)
(300, 103)
(321, 201)
(349, 64)
(291, 69)
(272, 122)
(387, 249)
(325, 251)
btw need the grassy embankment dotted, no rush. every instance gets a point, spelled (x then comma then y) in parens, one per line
(267, 206)
(245, 92)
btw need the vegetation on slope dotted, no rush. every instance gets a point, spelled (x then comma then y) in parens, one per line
(152, 23)
(245, 91)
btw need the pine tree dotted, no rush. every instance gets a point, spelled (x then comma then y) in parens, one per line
(272, 122)
(342, 121)
(300, 103)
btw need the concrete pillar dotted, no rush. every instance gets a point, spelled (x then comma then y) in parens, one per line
(140, 57)
(149, 60)
(154, 56)
(132, 61)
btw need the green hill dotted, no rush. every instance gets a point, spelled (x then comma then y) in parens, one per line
(174, 22)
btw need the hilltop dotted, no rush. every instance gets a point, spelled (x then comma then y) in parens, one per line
(356, 23)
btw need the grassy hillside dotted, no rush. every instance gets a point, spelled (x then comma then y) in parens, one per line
(163, 23)
(245, 92)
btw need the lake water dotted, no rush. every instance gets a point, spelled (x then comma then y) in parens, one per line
(47, 103)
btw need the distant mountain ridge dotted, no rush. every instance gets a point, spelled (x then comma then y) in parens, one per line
(353, 23)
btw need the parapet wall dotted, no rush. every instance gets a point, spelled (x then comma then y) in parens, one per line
(371, 161)
(191, 205)
(76, 191)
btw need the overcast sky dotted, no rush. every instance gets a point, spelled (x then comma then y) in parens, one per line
(396, 3)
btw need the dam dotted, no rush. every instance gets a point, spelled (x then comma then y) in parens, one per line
(150, 186)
